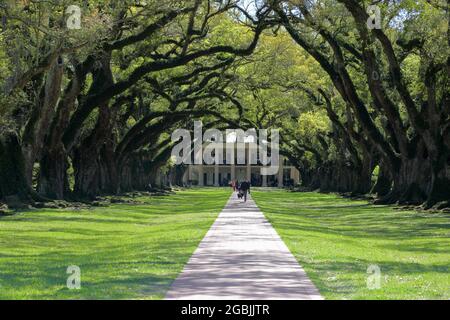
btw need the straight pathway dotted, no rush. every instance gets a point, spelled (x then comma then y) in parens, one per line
(242, 257)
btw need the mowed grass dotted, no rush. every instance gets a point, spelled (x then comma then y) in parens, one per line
(123, 251)
(337, 239)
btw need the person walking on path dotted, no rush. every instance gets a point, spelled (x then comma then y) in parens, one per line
(245, 188)
(233, 185)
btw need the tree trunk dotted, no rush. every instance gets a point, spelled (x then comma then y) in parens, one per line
(411, 180)
(125, 179)
(86, 171)
(87, 157)
(383, 184)
(41, 118)
(109, 171)
(439, 189)
(53, 175)
(364, 176)
(53, 180)
(14, 187)
(179, 174)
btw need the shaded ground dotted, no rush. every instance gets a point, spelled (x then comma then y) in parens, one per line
(336, 239)
(124, 251)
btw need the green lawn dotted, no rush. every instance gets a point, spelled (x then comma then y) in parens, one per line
(123, 251)
(136, 251)
(336, 239)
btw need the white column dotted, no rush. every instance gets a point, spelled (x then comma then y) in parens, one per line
(233, 172)
(295, 175)
(216, 175)
(199, 165)
(190, 175)
(280, 172)
(264, 181)
(249, 162)
(200, 175)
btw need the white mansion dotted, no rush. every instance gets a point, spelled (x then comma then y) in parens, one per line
(222, 174)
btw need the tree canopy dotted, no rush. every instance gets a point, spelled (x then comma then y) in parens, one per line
(89, 97)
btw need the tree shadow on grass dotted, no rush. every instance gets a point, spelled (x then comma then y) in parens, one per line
(129, 278)
(412, 245)
(361, 221)
(366, 230)
(343, 276)
(125, 287)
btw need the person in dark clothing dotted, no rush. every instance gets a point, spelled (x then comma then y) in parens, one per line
(245, 188)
